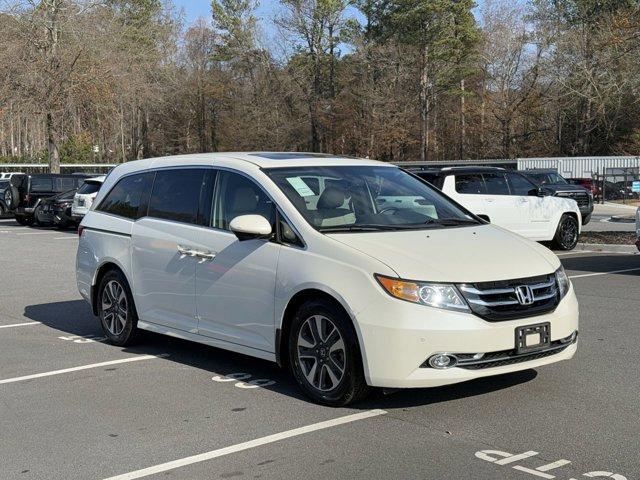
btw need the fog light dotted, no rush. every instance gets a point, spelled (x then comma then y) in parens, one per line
(442, 360)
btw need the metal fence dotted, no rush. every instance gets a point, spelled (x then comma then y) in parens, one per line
(579, 167)
(100, 168)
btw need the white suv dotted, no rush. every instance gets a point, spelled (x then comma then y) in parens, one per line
(510, 200)
(352, 272)
(85, 196)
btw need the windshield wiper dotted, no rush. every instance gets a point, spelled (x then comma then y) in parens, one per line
(452, 221)
(365, 227)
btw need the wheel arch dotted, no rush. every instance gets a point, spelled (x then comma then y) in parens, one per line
(106, 266)
(300, 297)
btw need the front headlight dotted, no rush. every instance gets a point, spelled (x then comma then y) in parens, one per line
(439, 295)
(563, 281)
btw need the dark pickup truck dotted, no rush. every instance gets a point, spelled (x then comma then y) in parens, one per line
(26, 191)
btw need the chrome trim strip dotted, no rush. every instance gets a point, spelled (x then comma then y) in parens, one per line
(496, 291)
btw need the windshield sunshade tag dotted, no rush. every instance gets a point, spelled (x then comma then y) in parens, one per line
(301, 187)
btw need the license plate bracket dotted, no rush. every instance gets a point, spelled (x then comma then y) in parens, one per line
(532, 338)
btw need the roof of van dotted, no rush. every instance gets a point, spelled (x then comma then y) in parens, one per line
(258, 159)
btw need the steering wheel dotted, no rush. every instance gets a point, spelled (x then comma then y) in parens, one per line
(388, 209)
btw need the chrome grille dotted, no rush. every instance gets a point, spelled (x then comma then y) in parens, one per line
(498, 301)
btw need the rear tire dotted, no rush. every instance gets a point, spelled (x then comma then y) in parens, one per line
(116, 309)
(25, 221)
(566, 237)
(324, 355)
(36, 213)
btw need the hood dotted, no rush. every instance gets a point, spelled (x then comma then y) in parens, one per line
(561, 187)
(457, 255)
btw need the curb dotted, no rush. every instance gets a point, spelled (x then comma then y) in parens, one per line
(617, 205)
(606, 248)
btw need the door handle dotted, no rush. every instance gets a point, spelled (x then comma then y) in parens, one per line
(523, 200)
(489, 200)
(186, 251)
(205, 255)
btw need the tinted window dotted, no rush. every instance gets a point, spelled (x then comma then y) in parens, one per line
(470, 183)
(237, 195)
(176, 194)
(519, 185)
(434, 179)
(89, 188)
(124, 199)
(496, 184)
(41, 184)
(65, 184)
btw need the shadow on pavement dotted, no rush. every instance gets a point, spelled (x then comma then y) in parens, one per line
(75, 318)
(602, 263)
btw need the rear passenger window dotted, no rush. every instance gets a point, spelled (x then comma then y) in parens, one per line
(176, 194)
(125, 199)
(41, 184)
(65, 184)
(519, 185)
(471, 183)
(496, 184)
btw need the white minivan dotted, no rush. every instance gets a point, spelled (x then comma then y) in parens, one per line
(508, 199)
(353, 273)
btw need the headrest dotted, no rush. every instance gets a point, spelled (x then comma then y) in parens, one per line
(332, 197)
(244, 200)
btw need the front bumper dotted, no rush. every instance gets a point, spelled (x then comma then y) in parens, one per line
(398, 337)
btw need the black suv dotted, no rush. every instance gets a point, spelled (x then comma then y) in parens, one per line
(553, 182)
(26, 191)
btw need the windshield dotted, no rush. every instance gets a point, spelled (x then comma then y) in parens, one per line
(550, 178)
(355, 198)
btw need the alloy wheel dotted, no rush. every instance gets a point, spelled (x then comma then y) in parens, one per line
(114, 307)
(568, 233)
(321, 353)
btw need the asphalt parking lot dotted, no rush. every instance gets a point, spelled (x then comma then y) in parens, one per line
(74, 407)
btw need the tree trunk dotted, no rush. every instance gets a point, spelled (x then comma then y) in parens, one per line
(52, 148)
(463, 126)
(424, 105)
(315, 99)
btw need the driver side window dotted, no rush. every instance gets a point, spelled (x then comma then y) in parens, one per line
(236, 195)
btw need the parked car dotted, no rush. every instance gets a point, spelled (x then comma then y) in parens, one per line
(588, 183)
(554, 182)
(28, 190)
(368, 278)
(84, 197)
(8, 175)
(56, 210)
(3, 207)
(510, 200)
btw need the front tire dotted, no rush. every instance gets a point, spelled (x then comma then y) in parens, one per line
(325, 356)
(116, 309)
(566, 237)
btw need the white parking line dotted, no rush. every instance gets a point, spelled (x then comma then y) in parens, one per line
(68, 237)
(164, 467)
(604, 273)
(81, 367)
(34, 233)
(20, 324)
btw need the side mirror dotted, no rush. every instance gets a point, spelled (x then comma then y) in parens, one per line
(247, 227)
(540, 192)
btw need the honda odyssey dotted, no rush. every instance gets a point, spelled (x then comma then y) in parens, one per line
(352, 273)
